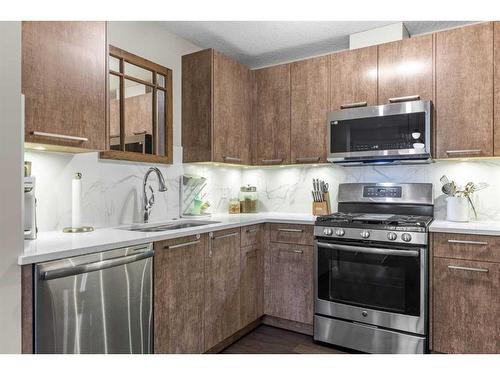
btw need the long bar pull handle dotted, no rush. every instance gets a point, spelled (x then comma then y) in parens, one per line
(291, 251)
(471, 269)
(290, 230)
(96, 266)
(60, 136)
(369, 250)
(171, 247)
(308, 160)
(272, 161)
(229, 158)
(225, 236)
(354, 105)
(401, 99)
(458, 152)
(479, 243)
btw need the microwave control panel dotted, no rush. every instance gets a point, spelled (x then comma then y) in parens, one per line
(382, 192)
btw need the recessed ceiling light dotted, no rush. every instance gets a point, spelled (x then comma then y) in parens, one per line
(40, 148)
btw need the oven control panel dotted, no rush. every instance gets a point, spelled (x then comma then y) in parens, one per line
(382, 192)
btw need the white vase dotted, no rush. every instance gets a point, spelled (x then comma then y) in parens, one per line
(457, 209)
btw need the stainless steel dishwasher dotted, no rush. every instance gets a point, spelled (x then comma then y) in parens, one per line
(97, 303)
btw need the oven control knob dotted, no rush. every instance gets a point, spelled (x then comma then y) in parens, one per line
(365, 234)
(406, 237)
(392, 236)
(340, 232)
(327, 231)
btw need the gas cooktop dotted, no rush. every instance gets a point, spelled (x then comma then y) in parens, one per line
(376, 221)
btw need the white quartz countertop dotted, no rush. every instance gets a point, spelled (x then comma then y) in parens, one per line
(489, 228)
(56, 244)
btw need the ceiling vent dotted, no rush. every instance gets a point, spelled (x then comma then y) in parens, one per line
(384, 34)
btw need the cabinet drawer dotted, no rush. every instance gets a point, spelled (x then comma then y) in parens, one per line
(292, 233)
(466, 246)
(251, 235)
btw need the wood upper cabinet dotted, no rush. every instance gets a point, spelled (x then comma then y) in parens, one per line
(178, 295)
(216, 108)
(222, 291)
(405, 68)
(464, 91)
(466, 306)
(64, 82)
(272, 115)
(290, 282)
(309, 106)
(353, 77)
(251, 284)
(496, 131)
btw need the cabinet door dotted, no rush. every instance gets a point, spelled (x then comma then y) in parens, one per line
(222, 294)
(64, 82)
(464, 91)
(178, 295)
(232, 110)
(251, 284)
(291, 282)
(309, 106)
(272, 115)
(466, 306)
(405, 69)
(497, 89)
(353, 78)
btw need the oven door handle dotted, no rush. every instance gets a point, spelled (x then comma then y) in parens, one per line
(369, 250)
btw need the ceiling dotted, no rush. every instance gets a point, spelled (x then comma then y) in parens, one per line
(262, 43)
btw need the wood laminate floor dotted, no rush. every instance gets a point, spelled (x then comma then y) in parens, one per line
(270, 340)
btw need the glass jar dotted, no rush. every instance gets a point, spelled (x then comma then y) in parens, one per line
(248, 199)
(234, 206)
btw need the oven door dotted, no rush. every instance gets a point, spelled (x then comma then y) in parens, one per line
(380, 285)
(390, 132)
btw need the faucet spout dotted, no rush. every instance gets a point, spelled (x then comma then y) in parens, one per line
(162, 187)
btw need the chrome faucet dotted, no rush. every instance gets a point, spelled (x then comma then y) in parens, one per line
(149, 202)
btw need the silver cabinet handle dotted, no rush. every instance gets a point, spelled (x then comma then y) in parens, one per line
(307, 160)
(472, 269)
(479, 243)
(453, 152)
(96, 266)
(353, 105)
(272, 161)
(171, 247)
(291, 251)
(60, 136)
(369, 250)
(290, 230)
(404, 99)
(229, 158)
(224, 236)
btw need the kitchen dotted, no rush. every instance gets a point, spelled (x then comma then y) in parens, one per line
(189, 199)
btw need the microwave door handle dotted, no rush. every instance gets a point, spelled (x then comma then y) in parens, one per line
(369, 250)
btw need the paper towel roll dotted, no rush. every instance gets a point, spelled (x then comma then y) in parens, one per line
(76, 201)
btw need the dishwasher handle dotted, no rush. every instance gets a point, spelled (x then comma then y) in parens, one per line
(94, 266)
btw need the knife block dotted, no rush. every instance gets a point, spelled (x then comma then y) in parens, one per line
(322, 208)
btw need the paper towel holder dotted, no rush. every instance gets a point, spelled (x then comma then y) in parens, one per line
(80, 229)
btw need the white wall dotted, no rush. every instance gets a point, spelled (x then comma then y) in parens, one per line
(11, 159)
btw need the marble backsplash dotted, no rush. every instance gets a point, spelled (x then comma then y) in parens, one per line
(112, 191)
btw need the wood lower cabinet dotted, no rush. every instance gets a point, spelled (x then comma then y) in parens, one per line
(464, 91)
(290, 293)
(178, 295)
(466, 306)
(353, 78)
(222, 290)
(309, 107)
(251, 284)
(216, 108)
(496, 73)
(405, 69)
(64, 77)
(271, 116)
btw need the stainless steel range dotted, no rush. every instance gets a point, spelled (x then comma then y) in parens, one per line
(371, 269)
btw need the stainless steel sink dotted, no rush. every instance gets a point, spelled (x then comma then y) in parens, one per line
(169, 226)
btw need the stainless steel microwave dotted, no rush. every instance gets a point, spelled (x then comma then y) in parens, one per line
(390, 133)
